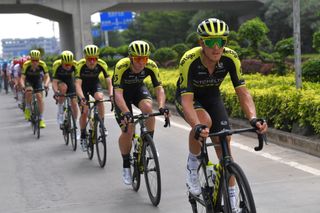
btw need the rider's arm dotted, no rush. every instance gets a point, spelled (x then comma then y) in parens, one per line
(161, 97)
(109, 85)
(246, 102)
(22, 81)
(189, 112)
(46, 80)
(119, 100)
(55, 85)
(78, 85)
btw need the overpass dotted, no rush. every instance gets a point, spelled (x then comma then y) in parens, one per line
(74, 20)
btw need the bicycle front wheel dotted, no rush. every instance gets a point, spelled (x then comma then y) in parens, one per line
(72, 130)
(36, 120)
(65, 128)
(101, 144)
(151, 170)
(134, 161)
(240, 199)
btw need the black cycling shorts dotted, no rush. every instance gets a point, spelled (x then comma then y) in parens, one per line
(91, 90)
(215, 108)
(70, 85)
(36, 85)
(132, 96)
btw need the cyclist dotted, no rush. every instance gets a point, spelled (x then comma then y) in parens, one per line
(33, 71)
(87, 82)
(129, 89)
(63, 82)
(202, 70)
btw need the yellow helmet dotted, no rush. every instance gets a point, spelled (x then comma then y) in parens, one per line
(35, 54)
(139, 48)
(67, 57)
(212, 27)
(91, 51)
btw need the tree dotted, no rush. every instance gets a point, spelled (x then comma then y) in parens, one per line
(253, 33)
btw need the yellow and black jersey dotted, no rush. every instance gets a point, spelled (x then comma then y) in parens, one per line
(124, 78)
(36, 74)
(195, 78)
(89, 76)
(59, 73)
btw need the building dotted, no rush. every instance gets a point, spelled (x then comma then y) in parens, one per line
(20, 47)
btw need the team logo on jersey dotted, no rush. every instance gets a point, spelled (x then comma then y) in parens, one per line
(116, 78)
(187, 57)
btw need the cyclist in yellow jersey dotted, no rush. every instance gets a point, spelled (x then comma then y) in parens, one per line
(34, 72)
(129, 74)
(202, 70)
(88, 83)
(63, 71)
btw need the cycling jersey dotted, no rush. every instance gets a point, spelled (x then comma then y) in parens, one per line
(34, 75)
(90, 78)
(134, 90)
(195, 79)
(17, 71)
(124, 78)
(63, 75)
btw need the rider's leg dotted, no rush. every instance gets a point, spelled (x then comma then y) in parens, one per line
(100, 105)
(145, 105)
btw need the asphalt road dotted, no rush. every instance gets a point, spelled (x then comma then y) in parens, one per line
(46, 176)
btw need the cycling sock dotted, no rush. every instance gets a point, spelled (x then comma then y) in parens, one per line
(28, 106)
(151, 133)
(41, 117)
(83, 133)
(193, 162)
(60, 108)
(126, 160)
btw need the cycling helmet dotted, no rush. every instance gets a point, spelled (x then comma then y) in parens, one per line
(67, 57)
(35, 54)
(91, 51)
(139, 48)
(212, 27)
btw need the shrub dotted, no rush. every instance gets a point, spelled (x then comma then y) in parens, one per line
(165, 55)
(311, 70)
(180, 48)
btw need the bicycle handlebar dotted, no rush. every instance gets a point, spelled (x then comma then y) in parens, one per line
(261, 137)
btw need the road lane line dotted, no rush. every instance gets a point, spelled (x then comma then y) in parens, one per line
(293, 164)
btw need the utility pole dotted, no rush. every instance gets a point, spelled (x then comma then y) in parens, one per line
(297, 43)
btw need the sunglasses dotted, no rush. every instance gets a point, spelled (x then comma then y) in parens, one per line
(210, 42)
(67, 65)
(34, 60)
(92, 59)
(140, 59)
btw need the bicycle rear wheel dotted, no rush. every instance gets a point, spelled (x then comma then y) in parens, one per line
(151, 170)
(243, 200)
(65, 128)
(72, 130)
(101, 144)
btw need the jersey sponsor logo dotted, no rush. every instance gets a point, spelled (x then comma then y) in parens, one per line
(207, 82)
(150, 64)
(115, 78)
(232, 52)
(187, 57)
(122, 66)
(181, 79)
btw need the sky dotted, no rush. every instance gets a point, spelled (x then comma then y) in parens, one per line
(29, 26)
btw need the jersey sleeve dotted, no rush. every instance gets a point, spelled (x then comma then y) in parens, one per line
(55, 66)
(25, 67)
(119, 70)
(79, 65)
(235, 68)
(104, 67)
(154, 73)
(44, 66)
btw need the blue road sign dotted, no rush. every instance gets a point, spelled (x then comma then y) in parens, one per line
(115, 20)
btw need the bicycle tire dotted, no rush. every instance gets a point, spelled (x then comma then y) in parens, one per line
(36, 120)
(206, 193)
(90, 145)
(65, 129)
(244, 199)
(151, 170)
(101, 145)
(136, 174)
(72, 130)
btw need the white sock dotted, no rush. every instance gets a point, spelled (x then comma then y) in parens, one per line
(193, 162)
(60, 108)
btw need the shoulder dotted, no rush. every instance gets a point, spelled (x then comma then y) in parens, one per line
(81, 62)
(42, 63)
(123, 64)
(57, 63)
(190, 56)
(230, 53)
(151, 65)
(26, 64)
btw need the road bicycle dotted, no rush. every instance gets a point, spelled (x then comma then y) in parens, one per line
(97, 133)
(144, 159)
(215, 195)
(35, 112)
(69, 126)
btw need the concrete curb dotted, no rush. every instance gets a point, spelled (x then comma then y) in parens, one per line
(286, 139)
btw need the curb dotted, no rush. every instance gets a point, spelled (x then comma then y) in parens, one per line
(286, 139)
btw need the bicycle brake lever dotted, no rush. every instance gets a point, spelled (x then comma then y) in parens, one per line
(166, 122)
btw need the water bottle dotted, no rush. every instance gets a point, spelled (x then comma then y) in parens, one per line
(210, 174)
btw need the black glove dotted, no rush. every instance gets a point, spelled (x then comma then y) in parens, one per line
(198, 129)
(164, 110)
(128, 116)
(254, 121)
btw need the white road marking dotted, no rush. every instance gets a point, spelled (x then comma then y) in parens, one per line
(293, 164)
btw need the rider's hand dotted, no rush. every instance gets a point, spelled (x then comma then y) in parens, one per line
(164, 111)
(260, 124)
(46, 89)
(126, 117)
(83, 101)
(200, 130)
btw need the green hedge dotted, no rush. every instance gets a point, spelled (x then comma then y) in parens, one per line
(276, 99)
